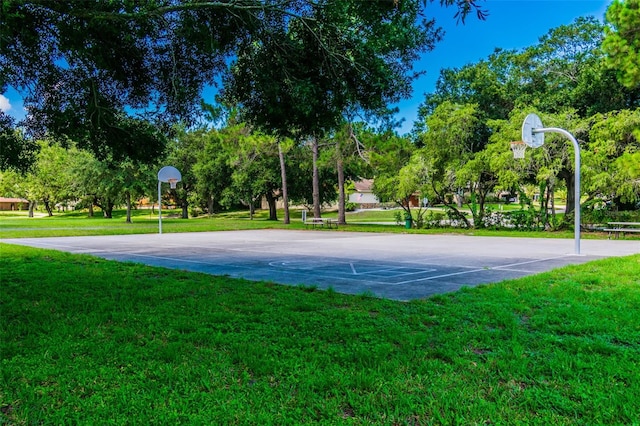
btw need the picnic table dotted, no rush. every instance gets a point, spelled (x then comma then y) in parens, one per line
(320, 221)
(617, 228)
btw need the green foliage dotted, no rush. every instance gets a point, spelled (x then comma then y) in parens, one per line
(433, 219)
(16, 152)
(212, 170)
(486, 83)
(565, 81)
(51, 180)
(622, 41)
(350, 206)
(391, 155)
(342, 55)
(609, 167)
(599, 212)
(450, 151)
(100, 72)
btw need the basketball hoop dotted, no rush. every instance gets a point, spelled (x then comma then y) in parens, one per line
(518, 148)
(166, 174)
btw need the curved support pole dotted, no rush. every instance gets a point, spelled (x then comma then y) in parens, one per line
(159, 209)
(576, 208)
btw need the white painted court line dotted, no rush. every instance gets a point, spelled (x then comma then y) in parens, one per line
(308, 265)
(532, 261)
(333, 275)
(435, 277)
(481, 270)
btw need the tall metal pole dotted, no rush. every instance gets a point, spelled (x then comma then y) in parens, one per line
(159, 209)
(576, 147)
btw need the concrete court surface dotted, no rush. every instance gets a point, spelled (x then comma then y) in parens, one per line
(394, 266)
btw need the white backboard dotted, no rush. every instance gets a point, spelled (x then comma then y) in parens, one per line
(534, 140)
(169, 173)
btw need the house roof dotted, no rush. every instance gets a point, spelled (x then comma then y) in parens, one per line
(363, 185)
(12, 200)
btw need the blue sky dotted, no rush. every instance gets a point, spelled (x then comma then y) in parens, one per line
(511, 24)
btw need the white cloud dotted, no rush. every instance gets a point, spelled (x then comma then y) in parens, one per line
(5, 105)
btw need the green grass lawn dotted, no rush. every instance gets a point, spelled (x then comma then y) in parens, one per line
(90, 341)
(18, 225)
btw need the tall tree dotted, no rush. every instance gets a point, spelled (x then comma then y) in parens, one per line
(285, 189)
(549, 165)
(81, 65)
(489, 83)
(255, 163)
(350, 155)
(390, 153)
(455, 136)
(16, 151)
(299, 165)
(565, 69)
(614, 140)
(50, 180)
(212, 170)
(622, 41)
(183, 153)
(99, 183)
(352, 55)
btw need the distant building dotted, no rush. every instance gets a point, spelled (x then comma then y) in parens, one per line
(11, 204)
(363, 195)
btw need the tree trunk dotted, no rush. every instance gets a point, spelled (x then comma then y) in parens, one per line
(184, 203)
(342, 220)
(458, 214)
(458, 198)
(107, 209)
(552, 196)
(283, 175)
(544, 204)
(316, 180)
(570, 184)
(482, 199)
(271, 201)
(128, 199)
(405, 203)
(32, 205)
(91, 209)
(47, 206)
(210, 205)
(251, 209)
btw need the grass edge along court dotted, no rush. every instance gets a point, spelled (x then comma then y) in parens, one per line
(84, 340)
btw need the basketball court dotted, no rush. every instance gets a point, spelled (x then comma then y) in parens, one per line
(394, 266)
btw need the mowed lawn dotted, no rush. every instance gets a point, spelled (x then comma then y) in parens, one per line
(90, 341)
(18, 225)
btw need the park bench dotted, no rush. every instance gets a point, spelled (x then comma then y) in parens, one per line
(617, 228)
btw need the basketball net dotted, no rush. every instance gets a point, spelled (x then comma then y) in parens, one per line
(518, 148)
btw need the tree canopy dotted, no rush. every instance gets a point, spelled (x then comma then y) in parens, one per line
(566, 80)
(89, 70)
(622, 42)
